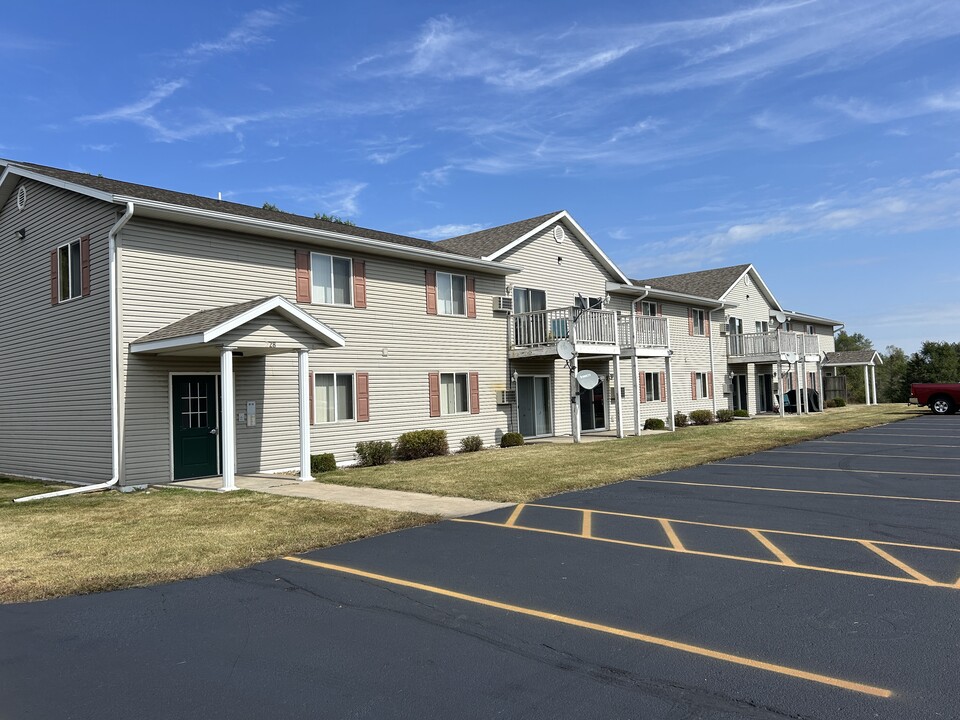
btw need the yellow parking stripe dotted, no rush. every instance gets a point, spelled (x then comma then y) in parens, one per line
(819, 470)
(780, 554)
(801, 492)
(587, 527)
(671, 534)
(898, 563)
(608, 629)
(512, 520)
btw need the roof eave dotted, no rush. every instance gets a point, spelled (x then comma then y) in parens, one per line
(646, 290)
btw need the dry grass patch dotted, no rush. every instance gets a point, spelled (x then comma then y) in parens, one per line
(535, 471)
(105, 541)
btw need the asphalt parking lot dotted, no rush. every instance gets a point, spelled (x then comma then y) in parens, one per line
(819, 580)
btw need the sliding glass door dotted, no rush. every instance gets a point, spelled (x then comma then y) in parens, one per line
(534, 407)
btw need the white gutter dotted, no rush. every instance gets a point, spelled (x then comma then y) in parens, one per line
(114, 373)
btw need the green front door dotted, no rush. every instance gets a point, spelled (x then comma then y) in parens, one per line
(196, 438)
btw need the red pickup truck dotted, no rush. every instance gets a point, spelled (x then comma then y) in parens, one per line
(942, 398)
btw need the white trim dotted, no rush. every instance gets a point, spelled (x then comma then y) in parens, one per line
(316, 402)
(466, 375)
(760, 284)
(551, 394)
(438, 273)
(68, 244)
(19, 170)
(170, 376)
(283, 306)
(313, 295)
(582, 236)
(642, 291)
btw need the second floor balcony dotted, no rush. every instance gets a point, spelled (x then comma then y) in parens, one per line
(772, 346)
(592, 332)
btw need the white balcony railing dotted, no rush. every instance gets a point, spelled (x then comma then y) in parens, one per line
(544, 327)
(643, 331)
(772, 344)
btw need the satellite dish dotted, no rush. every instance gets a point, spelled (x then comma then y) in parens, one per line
(780, 318)
(588, 379)
(565, 349)
(791, 357)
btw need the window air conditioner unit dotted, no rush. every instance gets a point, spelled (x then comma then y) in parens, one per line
(503, 303)
(506, 397)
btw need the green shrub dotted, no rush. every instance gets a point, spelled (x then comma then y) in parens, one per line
(511, 440)
(739, 413)
(471, 443)
(680, 420)
(830, 404)
(653, 424)
(839, 402)
(418, 444)
(324, 462)
(374, 452)
(701, 417)
(725, 415)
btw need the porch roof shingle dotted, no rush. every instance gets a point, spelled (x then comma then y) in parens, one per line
(851, 357)
(702, 283)
(201, 321)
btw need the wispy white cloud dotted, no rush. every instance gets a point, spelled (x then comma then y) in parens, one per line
(98, 147)
(249, 32)
(139, 110)
(384, 150)
(439, 232)
(436, 177)
(343, 197)
(336, 198)
(224, 162)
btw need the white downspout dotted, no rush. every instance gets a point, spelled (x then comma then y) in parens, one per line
(114, 372)
(633, 362)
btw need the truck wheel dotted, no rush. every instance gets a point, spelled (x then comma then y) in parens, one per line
(942, 406)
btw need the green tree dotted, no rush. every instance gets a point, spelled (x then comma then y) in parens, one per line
(934, 362)
(334, 218)
(854, 375)
(271, 206)
(893, 383)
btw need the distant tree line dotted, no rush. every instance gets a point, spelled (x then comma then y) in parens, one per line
(317, 216)
(933, 362)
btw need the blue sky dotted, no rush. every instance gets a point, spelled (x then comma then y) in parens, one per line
(818, 140)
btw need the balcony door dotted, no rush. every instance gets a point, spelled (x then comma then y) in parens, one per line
(529, 329)
(735, 328)
(533, 405)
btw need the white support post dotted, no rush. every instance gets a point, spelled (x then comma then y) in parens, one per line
(866, 384)
(636, 392)
(668, 371)
(616, 394)
(228, 419)
(801, 387)
(820, 385)
(780, 386)
(574, 401)
(303, 385)
(873, 383)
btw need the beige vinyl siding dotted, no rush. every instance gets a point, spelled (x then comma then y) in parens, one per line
(170, 271)
(752, 306)
(691, 353)
(55, 359)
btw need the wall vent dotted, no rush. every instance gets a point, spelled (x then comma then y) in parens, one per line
(21, 197)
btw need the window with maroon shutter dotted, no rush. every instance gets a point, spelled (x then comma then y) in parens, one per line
(474, 393)
(85, 265)
(359, 284)
(363, 397)
(302, 259)
(430, 282)
(471, 297)
(690, 321)
(693, 385)
(54, 278)
(663, 387)
(643, 387)
(434, 394)
(710, 385)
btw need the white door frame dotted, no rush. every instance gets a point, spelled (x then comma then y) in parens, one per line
(170, 420)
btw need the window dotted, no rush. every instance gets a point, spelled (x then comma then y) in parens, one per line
(334, 397)
(453, 393)
(701, 385)
(762, 326)
(648, 308)
(811, 330)
(699, 322)
(528, 300)
(588, 303)
(811, 381)
(68, 270)
(451, 294)
(652, 382)
(332, 279)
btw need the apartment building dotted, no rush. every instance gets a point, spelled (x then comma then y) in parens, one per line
(149, 336)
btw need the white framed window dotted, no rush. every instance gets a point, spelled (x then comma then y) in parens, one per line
(811, 330)
(454, 393)
(648, 308)
(582, 302)
(451, 294)
(652, 382)
(762, 326)
(331, 279)
(702, 385)
(699, 322)
(69, 271)
(334, 397)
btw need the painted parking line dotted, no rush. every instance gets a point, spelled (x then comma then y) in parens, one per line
(860, 433)
(762, 535)
(819, 470)
(607, 629)
(864, 442)
(799, 492)
(871, 455)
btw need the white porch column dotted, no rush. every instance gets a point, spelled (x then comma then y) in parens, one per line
(866, 385)
(668, 372)
(616, 393)
(636, 392)
(780, 386)
(303, 381)
(820, 385)
(801, 387)
(873, 383)
(574, 401)
(228, 419)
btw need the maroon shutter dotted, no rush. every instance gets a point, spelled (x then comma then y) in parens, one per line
(363, 397)
(659, 309)
(663, 387)
(474, 393)
(85, 265)
(710, 385)
(434, 394)
(303, 275)
(643, 387)
(310, 387)
(359, 284)
(430, 280)
(690, 320)
(693, 385)
(54, 277)
(471, 297)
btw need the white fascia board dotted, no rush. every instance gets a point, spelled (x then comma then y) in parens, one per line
(23, 172)
(327, 238)
(167, 343)
(681, 298)
(581, 233)
(816, 320)
(290, 311)
(760, 283)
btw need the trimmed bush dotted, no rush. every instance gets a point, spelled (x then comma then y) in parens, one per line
(725, 415)
(418, 444)
(511, 440)
(701, 417)
(739, 413)
(324, 462)
(471, 443)
(839, 402)
(680, 420)
(374, 452)
(654, 424)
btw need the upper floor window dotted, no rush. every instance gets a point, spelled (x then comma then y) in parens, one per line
(811, 330)
(68, 260)
(332, 279)
(451, 294)
(528, 300)
(762, 326)
(588, 303)
(648, 307)
(698, 322)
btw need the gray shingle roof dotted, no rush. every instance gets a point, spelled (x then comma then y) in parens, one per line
(486, 242)
(704, 283)
(850, 357)
(146, 192)
(201, 321)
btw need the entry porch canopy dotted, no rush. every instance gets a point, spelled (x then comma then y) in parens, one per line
(869, 359)
(266, 326)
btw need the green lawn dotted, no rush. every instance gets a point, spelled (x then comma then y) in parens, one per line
(535, 471)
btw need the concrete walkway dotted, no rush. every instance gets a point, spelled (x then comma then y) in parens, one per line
(447, 507)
